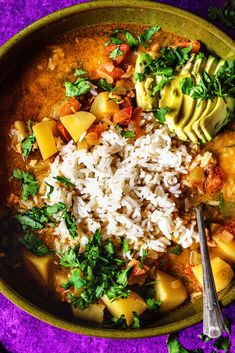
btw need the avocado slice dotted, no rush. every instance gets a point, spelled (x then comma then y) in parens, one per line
(144, 88)
(202, 107)
(218, 117)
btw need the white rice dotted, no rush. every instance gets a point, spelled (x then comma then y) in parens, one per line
(125, 190)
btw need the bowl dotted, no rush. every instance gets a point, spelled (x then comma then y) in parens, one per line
(14, 52)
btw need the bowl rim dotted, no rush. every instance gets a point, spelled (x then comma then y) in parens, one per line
(9, 292)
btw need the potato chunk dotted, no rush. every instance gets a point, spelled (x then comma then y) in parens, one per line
(223, 273)
(226, 245)
(126, 306)
(45, 139)
(93, 313)
(37, 265)
(78, 123)
(103, 106)
(169, 290)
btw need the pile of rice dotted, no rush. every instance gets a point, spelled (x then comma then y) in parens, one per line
(125, 189)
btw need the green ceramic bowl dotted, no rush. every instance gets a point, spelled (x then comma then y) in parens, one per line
(13, 54)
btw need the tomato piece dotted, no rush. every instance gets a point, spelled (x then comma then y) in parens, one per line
(63, 132)
(136, 119)
(214, 179)
(139, 272)
(123, 116)
(196, 45)
(109, 72)
(99, 128)
(124, 48)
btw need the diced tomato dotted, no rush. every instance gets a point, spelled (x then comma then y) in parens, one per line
(99, 128)
(214, 179)
(109, 72)
(136, 119)
(124, 48)
(139, 272)
(196, 45)
(63, 132)
(92, 138)
(126, 103)
(68, 106)
(123, 116)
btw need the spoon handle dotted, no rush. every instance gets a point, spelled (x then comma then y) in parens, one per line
(213, 323)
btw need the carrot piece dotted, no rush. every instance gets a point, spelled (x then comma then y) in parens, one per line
(136, 119)
(109, 72)
(123, 116)
(99, 128)
(196, 45)
(69, 107)
(63, 132)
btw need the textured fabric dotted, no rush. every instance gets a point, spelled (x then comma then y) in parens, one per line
(21, 333)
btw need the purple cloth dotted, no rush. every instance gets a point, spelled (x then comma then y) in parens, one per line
(21, 333)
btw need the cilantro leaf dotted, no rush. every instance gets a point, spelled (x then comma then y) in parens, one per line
(176, 249)
(51, 189)
(131, 40)
(70, 222)
(34, 244)
(102, 83)
(79, 72)
(80, 87)
(122, 277)
(204, 338)
(174, 346)
(222, 343)
(136, 320)
(125, 245)
(64, 180)
(76, 280)
(153, 304)
(29, 183)
(119, 322)
(128, 134)
(114, 40)
(160, 114)
(27, 145)
(139, 77)
(148, 33)
(70, 257)
(115, 53)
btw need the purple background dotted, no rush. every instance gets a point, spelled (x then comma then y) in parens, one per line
(21, 333)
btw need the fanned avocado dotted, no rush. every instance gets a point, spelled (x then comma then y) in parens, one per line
(144, 88)
(217, 118)
(210, 106)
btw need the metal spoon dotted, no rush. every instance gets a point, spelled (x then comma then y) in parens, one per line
(213, 322)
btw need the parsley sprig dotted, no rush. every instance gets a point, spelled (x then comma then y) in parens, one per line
(28, 183)
(34, 244)
(99, 272)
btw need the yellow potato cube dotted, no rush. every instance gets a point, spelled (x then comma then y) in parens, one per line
(38, 265)
(53, 124)
(83, 145)
(93, 313)
(226, 245)
(44, 137)
(223, 273)
(169, 290)
(103, 106)
(77, 124)
(126, 306)
(19, 125)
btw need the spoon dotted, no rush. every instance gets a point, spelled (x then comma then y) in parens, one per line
(213, 322)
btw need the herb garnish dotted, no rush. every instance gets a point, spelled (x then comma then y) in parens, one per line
(224, 14)
(222, 343)
(115, 53)
(153, 304)
(174, 346)
(222, 84)
(119, 322)
(70, 257)
(79, 72)
(34, 244)
(136, 320)
(51, 189)
(138, 76)
(160, 114)
(103, 83)
(102, 272)
(29, 183)
(204, 338)
(131, 40)
(27, 145)
(148, 33)
(78, 88)
(125, 245)
(176, 250)
(128, 134)
(64, 180)
(70, 222)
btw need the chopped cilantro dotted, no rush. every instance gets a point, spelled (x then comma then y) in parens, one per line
(103, 272)
(148, 33)
(160, 85)
(222, 343)
(136, 320)
(139, 76)
(29, 183)
(204, 338)
(34, 244)
(174, 346)
(64, 180)
(80, 87)
(125, 245)
(176, 249)
(119, 322)
(27, 145)
(223, 14)
(79, 72)
(117, 127)
(102, 83)
(70, 222)
(51, 189)
(131, 40)
(128, 134)
(153, 304)
(115, 53)
(70, 257)
(114, 40)
(122, 277)
(160, 114)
